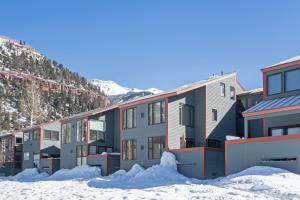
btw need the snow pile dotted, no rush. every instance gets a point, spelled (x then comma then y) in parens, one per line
(274, 182)
(84, 172)
(230, 137)
(28, 175)
(137, 177)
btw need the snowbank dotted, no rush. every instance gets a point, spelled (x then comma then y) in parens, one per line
(137, 177)
(81, 172)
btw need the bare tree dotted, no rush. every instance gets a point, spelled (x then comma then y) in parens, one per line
(32, 104)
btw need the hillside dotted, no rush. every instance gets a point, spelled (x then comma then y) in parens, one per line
(117, 93)
(35, 89)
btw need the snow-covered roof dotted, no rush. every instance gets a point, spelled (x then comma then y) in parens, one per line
(253, 91)
(181, 89)
(290, 60)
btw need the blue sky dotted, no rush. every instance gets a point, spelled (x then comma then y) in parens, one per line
(161, 44)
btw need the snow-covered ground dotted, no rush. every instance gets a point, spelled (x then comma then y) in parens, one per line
(158, 182)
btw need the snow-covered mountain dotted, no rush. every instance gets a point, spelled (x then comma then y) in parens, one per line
(118, 93)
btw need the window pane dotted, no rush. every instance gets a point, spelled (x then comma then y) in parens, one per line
(134, 117)
(214, 115)
(274, 84)
(64, 133)
(84, 152)
(79, 133)
(156, 109)
(26, 137)
(294, 130)
(163, 111)
(129, 118)
(36, 134)
(109, 150)
(47, 135)
(222, 89)
(26, 156)
(292, 80)
(54, 135)
(124, 119)
(150, 117)
(93, 135)
(276, 132)
(101, 150)
(78, 151)
(68, 135)
(84, 124)
(83, 161)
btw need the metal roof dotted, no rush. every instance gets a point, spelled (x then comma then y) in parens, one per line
(275, 103)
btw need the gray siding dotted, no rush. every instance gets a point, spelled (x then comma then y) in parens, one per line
(243, 156)
(33, 147)
(68, 151)
(195, 98)
(49, 146)
(226, 108)
(49, 166)
(141, 134)
(214, 164)
(99, 161)
(191, 163)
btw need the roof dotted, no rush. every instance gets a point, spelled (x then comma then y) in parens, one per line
(253, 91)
(177, 91)
(274, 104)
(89, 113)
(286, 63)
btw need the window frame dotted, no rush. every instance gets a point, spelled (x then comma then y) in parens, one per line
(214, 115)
(281, 83)
(285, 79)
(222, 86)
(125, 118)
(183, 108)
(285, 129)
(162, 146)
(133, 149)
(83, 155)
(162, 113)
(232, 89)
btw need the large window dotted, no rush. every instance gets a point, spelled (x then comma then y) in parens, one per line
(292, 80)
(66, 133)
(222, 89)
(97, 129)
(81, 154)
(157, 113)
(81, 130)
(286, 130)
(26, 156)
(129, 118)
(156, 146)
(274, 84)
(51, 135)
(129, 150)
(186, 115)
(32, 135)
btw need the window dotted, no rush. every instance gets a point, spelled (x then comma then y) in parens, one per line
(294, 130)
(36, 134)
(129, 118)
(81, 154)
(51, 135)
(276, 132)
(186, 142)
(156, 147)
(222, 89)
(274, 84)
(26, 156)
(47, 135)
(287, 130)
(36, 159)
(97, 129)
(81, 130)
(19, 140)
(26, 136)
(157, 113)
(66, 133)
(96, 136)
(292, 80)
(129, 150)
(186, 115)
(232, 93)
(214, 114)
